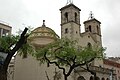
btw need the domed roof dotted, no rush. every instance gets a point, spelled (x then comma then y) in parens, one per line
(43, 31)
(42, 36)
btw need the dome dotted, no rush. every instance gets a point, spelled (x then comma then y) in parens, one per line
(42, 35)
(43, 32)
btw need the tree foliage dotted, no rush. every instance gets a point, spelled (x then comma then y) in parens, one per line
(65, 53)
(7, 42)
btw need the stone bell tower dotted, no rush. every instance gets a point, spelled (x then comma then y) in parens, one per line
(92, 25)
(70, 21)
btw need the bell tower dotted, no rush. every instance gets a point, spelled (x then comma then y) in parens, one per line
(92, 26)
(70, 21)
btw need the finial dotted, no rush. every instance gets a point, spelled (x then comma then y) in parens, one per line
(69, 2)
(91, 15)
(43, 23)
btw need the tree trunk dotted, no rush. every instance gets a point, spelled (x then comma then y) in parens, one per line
(3, 75)
(4, 67)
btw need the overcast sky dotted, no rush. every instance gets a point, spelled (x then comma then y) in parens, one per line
(33, 12)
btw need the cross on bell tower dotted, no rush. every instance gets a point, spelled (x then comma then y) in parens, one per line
(91, 16)
(69, 2)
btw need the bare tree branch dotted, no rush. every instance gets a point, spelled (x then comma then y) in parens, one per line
(54, 63)
(91, 71)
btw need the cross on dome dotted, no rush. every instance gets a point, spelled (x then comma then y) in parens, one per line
(43, 23)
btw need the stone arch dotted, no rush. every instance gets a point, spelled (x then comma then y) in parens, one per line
(107, 79)
(103, 78)
(80, 78)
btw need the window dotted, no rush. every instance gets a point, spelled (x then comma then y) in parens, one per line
(97, 29)
(66, 30)
(75, 17)
(66, 16)
(90, 28)
(89, 45)
(5, 32)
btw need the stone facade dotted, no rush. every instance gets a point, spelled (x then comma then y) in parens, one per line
(29, 68)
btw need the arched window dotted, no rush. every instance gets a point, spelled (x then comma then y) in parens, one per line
(66, 30)
(107, 79)
(89, 45)
(75, 17)
(80, 78)
(97, 29)
(66, 16)
(90, 28)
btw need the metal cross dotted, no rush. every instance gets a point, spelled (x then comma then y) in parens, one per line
(91, 15)
(69, 1)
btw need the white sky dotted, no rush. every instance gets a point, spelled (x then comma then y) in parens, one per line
(32, 12)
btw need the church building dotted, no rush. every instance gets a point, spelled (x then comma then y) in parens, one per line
(28, 68)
